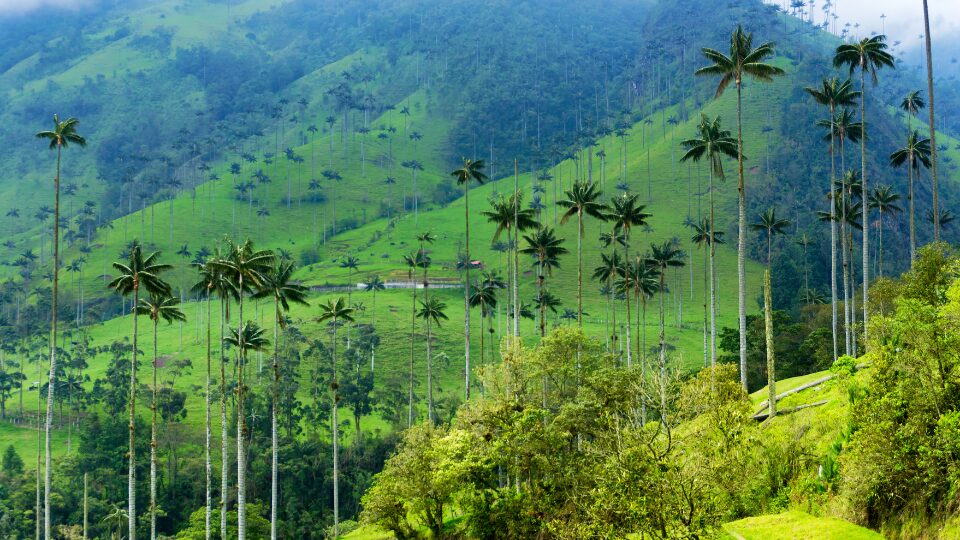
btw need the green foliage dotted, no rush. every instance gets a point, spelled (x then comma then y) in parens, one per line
(844, 366)
(258, 526)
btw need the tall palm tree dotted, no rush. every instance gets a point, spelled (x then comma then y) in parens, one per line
(644, 281)
(884, 199)
(744, 60)
(211, 281)
(413, 262)
(869, 55)
(833, 93)
(546, 249)
(64, 134)
(333, 312)
(508, 216)
(278, 284)
(713, 143)
(702, 237)
(582, 199)
(471, 171)
(374, 284)
(432, 312)
(917, 152)
(136, 274)
(162, 305)
(932, 124)
(247, 269)
(770, 225)
(624, 213)
(663, 257)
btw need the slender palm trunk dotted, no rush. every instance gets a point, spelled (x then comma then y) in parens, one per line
(913, 230)
(224, 452)
(768, 331)
(153, 440)
(713, 280)
(131, 456)
(336, 439)
(430, 370)
(241, 427)
(51, 379)
(413, 335)
(629, 322)
(466, 291)
(933, 125)
(741, 242)
(663, 347)
(207, 435)
(580, 270)
(865, 243)
(626, 261)
(833, 238)
(516, 253)
(273, 425)
(706, 317)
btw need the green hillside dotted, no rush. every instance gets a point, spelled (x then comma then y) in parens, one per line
(327, 132)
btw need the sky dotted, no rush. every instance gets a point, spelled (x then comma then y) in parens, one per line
(13, 7)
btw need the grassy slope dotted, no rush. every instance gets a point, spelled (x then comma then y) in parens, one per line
(796, 526)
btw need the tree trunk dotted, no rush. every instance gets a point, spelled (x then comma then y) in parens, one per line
(153, 441)
(833, 238)
(580, 270)
(336, 442)
(933, 126)
(768, 331)
(865, 244)
(207, 434)
(913, 230)
(273, 425)
(663, 350)
(713, 280)
(241, 427)
(51, 380)
(516, 255)
(466, 291)
(131, 456)
(413, 334)
(224, 452)
(430, 370)
(741, 243)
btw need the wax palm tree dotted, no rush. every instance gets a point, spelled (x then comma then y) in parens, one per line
(374, 284)
(508, 215)
(644, 282)
(582, 199)
(833, 93)
(247, 269)
(743, 61)
(915, 154)
(159, 305)
(471, 171)
(663, 257)
(610, 268)
(805, 242)
(64, 134)
(869, 55)
(546, 249)
(278, 284)
(884, 199)
(211, 282)
(136, 274)
(625, 213)
(771, 226)
(432, 312)
(333, 312)
(713, 143)
(413, 262)
(945, 217)
(702, 238)
(912, 104)
(932, 125)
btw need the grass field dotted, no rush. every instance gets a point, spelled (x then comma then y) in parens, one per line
(796, 525)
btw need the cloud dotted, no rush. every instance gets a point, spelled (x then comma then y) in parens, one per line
(17, 7)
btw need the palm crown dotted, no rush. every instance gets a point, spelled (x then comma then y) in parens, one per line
(743, 60)
(140, 273)
(64, 133)
(278, 284)
(712, 142)
(868, 54)
(915, 153)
